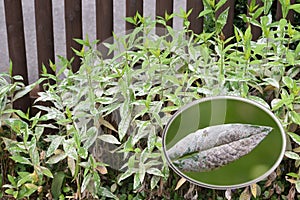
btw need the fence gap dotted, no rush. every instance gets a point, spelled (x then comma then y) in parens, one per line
(196, 24)
(104, 24)
(16, 46)
(73, 20)
(290, 15)
(228, 28)
(44, 34)
(162, 7)
(132, 7)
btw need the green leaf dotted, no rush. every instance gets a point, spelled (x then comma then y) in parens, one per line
(288, 82)
(124, 125)
(297, 51)
(154, 171)
(154, 181)
(292, 155)
(125, 175)
(272, 82)
(57, 183)
(259, 100)
(205, 12)
(12, 180)
(85, 182)
(295, 137)
(277, 103)
(54, 145)
(106, 193)
(82, 152)
(26, 90)
(295, 7)
(130, 20)
(56, 158)
(298, 186)
(136, 181)
(92, 134)
(109, 138)
(220, 4)
(22, 160)
(46, 172)
(294, 175)
(295, 117)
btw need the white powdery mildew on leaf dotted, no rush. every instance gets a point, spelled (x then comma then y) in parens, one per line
(216, 146)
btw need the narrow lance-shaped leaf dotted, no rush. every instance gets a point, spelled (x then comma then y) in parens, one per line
(216, 146)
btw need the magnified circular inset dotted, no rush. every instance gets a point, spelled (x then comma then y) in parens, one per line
(224, 142)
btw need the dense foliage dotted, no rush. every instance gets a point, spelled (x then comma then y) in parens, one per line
(97, 132)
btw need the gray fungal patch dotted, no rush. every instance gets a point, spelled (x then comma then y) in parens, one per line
(216, 146)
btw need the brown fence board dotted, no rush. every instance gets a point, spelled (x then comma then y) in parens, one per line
(44, 33)
(196, 23)
(132, 7)
(162, 7)
(16, 45)
(290, 15)
(104, 24)
(228, 28)
(73, 21)
(255, 30)
(104, 19)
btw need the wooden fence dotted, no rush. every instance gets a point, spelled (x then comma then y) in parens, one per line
(73, 26)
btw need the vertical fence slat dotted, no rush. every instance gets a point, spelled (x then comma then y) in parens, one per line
(228, 28)
(132, 7)
(104, 24)
(162, 7)
(73, 20)
(44, 33)
(290, 16)
(104, 19)
(196, 23)
(255, 30)
(16, 46)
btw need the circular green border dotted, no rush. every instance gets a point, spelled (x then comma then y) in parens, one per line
(266, 117)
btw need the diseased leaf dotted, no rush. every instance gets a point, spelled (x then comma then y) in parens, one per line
(46, 171)
(180, 183)
(292, 155)
(253, 188)
(201, 150)
(54, 145)
(107, 124)
(273, 82)
(71, 165)
(56, 158)
(228, 194)
(136, 181)
(125, 175)
(21, 159)
(245, 195)
(154, 171)
(124, 125)
(92, 134)
(106, 193)
(154, 181)
(298, 186)
(101, 169)
(295, 137)
(85, 182)
(109, 138)
(295, 117)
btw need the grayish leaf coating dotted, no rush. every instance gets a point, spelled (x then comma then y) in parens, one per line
(216, 146)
